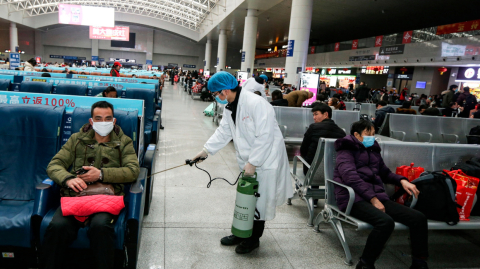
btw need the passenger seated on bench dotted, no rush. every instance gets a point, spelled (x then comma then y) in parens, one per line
(107, 153)
(324, 127)
(277, 99)
(422, 109)
(406, 108)
(382, 110)
(296, 98)
(360, 166)
(431, 111)
(109, 92)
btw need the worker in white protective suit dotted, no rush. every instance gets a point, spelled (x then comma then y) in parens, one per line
(259, 145)
(255, 84)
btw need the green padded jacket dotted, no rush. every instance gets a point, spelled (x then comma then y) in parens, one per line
(116, 158)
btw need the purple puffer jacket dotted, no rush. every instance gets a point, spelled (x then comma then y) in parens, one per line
(362, 169)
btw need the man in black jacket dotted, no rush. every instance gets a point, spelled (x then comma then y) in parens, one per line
(277, 99)
(361, 94)
(324, 127)
(382, 110)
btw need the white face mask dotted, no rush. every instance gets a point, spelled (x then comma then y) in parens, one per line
(103, 128)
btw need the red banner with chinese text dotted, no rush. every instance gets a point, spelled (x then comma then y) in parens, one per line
(337, 46)
(407, 37)
(355, 44)
(379, 41)
(458, 27)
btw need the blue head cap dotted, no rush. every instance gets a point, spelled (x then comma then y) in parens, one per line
(264, 77)
(222, 81)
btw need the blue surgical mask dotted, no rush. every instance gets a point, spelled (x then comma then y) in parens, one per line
(220, 101)
(368, 141)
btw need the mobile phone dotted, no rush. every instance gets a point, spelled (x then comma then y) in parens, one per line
(81, 171)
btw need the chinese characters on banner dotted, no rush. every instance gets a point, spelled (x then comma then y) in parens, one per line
(458, 27)
(378, 41)
(407, 37)
(121, 33)
(337, 46)
(312, 50)
(355, 44)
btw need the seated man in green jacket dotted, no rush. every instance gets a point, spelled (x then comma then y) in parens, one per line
(101, 148)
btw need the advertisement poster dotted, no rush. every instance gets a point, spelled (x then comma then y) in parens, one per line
(242, 77)
(70, 102)
(309, 82)
(206, 73)
(86, 15)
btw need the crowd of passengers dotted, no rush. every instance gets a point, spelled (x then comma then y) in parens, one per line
(359, 165)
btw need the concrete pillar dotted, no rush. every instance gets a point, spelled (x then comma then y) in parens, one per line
(39, 45)
(298, 37)
(222, 50)
(13, 36)
(95, 51)
(149, 57)
(249, 41)
(208, 54)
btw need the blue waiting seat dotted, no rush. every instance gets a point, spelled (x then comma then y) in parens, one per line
(70, 89)
(36, 87)
(5, 84)
(96, 90)
(28, 143)
(148, 96)
(151, 129)
(128, 224)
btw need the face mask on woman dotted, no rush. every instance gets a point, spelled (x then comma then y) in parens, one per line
(368, 141)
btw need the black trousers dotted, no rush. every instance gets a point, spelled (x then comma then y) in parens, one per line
(258, 227)
(62, 231)
(384, 223)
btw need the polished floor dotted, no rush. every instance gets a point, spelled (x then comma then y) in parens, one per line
(187, 219)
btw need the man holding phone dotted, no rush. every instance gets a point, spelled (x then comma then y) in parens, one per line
(99, 152)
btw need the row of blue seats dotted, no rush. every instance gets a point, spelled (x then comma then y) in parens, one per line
(152, 121)
(28, 201)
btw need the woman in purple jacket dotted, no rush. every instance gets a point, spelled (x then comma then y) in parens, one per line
(360, 166)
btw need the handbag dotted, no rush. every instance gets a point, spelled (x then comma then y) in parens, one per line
(466, 188)
(96, 188)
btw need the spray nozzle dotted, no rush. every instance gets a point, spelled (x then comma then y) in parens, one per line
(192, 162)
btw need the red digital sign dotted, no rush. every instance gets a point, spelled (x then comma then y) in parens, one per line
(120, 33)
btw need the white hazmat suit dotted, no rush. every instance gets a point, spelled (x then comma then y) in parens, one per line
(258, 141)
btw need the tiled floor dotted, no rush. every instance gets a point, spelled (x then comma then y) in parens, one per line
(187, 220)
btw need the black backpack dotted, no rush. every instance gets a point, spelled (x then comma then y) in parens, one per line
(437, 197)
(474, 136)
(470, 102)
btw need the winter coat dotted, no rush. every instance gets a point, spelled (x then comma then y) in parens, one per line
(447, 98)
(116, 158)
(296, 98)
(363, 170)
(380, 115)
(325, 129)
(28, 67)
(279, 102)
(406, 111)
(470, 102)
(361, 94)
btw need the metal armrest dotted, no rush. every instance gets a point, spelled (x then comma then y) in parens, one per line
(429, 140)
(456, 137)
(136, 199)
(351, 193)
(295, 159)
(404, 134)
